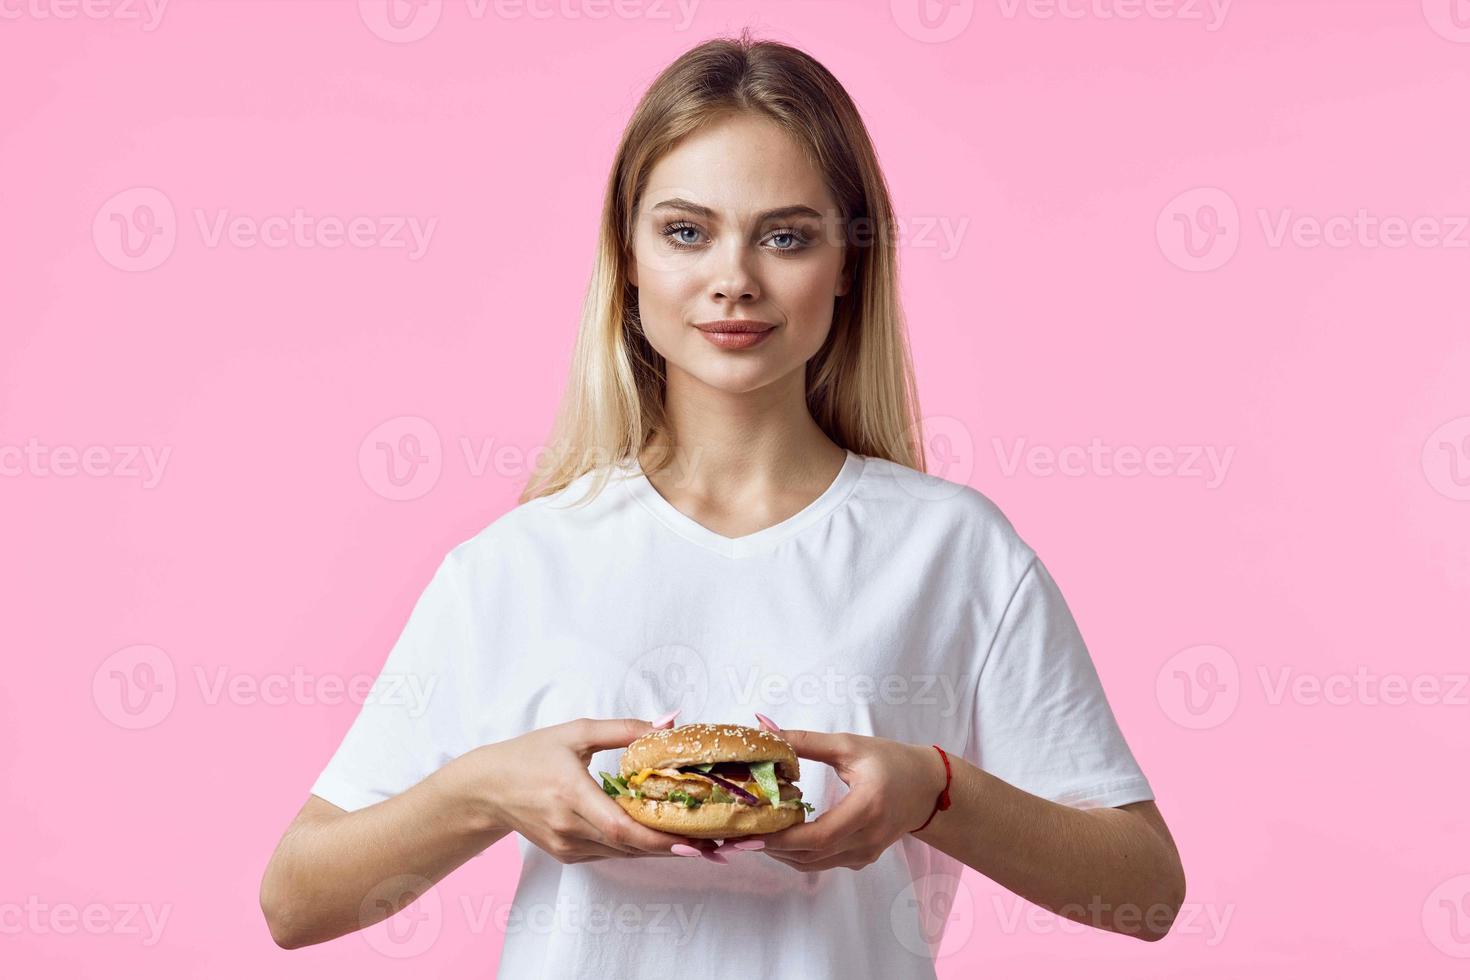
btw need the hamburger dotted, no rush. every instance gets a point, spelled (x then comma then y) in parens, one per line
(709, 781)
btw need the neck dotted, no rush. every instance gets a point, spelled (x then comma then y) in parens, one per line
(721, 439)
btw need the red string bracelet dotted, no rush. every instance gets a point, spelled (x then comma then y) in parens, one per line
(942, 803)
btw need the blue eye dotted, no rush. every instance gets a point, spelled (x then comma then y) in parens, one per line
(796, 240)
(672, 230)
(799, 239)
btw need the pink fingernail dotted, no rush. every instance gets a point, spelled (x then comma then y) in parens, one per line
(750, 845)
(667, 718)
(715, 856)
(686, 850)
(767, 722)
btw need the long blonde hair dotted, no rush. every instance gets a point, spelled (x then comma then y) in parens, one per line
(860, 386)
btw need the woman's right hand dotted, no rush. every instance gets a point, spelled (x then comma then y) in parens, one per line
(538, 785)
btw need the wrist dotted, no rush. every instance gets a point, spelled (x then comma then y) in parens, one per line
(938, 769)
(468, 795)
(939, 775)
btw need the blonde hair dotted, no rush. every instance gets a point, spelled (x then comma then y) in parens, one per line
(860, 386)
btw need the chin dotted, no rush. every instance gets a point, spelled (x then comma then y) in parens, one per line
(735, 379)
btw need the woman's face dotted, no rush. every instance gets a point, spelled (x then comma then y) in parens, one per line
(706, 248)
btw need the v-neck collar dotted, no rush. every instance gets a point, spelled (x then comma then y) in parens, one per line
(642, 490)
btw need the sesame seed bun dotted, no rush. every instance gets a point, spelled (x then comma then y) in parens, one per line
(697, 744)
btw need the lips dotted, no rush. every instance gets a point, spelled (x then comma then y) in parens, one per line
(733, 335)
(735, 326)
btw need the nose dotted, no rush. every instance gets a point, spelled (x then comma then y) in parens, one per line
(733, 280)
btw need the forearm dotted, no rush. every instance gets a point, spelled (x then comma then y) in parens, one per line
(1103, 867)
(332, 876)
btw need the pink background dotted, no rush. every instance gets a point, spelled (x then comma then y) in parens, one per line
(1335, 379)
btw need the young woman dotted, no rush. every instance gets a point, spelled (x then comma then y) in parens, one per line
(736, 526)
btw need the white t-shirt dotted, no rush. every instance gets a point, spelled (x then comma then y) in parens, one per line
(896, 605)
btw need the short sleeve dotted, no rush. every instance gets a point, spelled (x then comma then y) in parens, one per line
(411, 721)
(1042, 722)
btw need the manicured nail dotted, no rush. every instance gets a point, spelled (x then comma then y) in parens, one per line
(767, 722)
(750, 845)
(685, 850)
(667, 718)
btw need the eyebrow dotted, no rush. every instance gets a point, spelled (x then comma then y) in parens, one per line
(789, 211)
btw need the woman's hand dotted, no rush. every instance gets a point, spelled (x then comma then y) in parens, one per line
(538, 786)
(892, 787)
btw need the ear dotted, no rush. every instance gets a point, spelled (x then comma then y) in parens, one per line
(844, 281)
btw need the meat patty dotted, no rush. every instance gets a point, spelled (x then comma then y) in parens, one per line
(659, 788)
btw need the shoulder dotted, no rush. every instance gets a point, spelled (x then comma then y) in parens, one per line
(933, 508)
(534, 527)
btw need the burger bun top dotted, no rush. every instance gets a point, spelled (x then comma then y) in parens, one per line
(698, 743)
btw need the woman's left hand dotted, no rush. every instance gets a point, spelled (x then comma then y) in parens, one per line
(891, 785)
